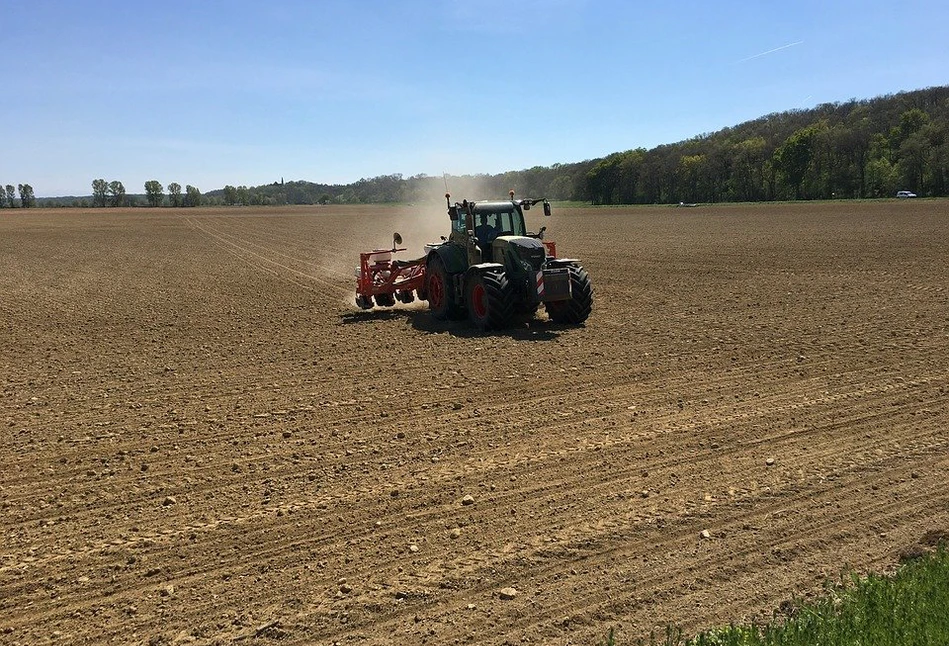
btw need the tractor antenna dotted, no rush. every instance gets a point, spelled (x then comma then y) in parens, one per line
(445, 177)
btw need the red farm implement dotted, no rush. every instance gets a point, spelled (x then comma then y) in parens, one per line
(381, 280)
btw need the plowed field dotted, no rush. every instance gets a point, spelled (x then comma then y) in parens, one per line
(203, 441)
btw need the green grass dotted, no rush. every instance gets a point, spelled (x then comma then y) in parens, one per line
(909, 608)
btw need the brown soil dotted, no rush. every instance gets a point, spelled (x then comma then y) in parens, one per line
(204, 441)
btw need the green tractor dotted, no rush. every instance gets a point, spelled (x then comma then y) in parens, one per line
(491, 269)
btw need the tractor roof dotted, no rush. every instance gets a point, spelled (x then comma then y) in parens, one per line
(493, 207)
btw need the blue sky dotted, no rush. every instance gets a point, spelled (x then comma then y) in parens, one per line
(246, 92)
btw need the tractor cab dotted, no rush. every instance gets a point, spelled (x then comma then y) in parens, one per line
(487, 228)
(493, 220)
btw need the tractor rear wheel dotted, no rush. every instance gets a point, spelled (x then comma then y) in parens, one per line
(576, 310)
(438, 290)
(490, 300)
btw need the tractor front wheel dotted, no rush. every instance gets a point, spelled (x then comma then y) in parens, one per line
(490, 300)
(576, 310)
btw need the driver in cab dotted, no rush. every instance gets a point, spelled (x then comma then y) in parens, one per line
(486, 232)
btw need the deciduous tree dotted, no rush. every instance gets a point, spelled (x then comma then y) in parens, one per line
(116, 193)
(11, 196)
(691, 171)
(154, 192)
(174, 192)
(192, 196)
(100, 189)
(747, 179)
(27, 200)
(794, 155)
(913, 153)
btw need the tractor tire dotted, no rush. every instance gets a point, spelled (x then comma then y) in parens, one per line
(576, 310)
(439, 290)
(489, 298)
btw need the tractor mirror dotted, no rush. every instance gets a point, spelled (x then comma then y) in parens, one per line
(546, 208)
(396, 239)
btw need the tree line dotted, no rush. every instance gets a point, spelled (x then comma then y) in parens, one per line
(855, 149)
(8, 196)
(113, 194)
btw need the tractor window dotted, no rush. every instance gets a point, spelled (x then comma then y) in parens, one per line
(511, 221)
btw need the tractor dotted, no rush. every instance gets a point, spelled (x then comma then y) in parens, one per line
(489, 268)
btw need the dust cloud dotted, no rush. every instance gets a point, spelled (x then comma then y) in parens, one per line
(426, 221)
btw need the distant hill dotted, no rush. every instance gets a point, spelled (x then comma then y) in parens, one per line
(855, 149)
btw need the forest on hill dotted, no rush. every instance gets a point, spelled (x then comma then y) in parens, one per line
(855, 149)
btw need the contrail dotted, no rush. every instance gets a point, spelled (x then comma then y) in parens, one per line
(771, 51)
